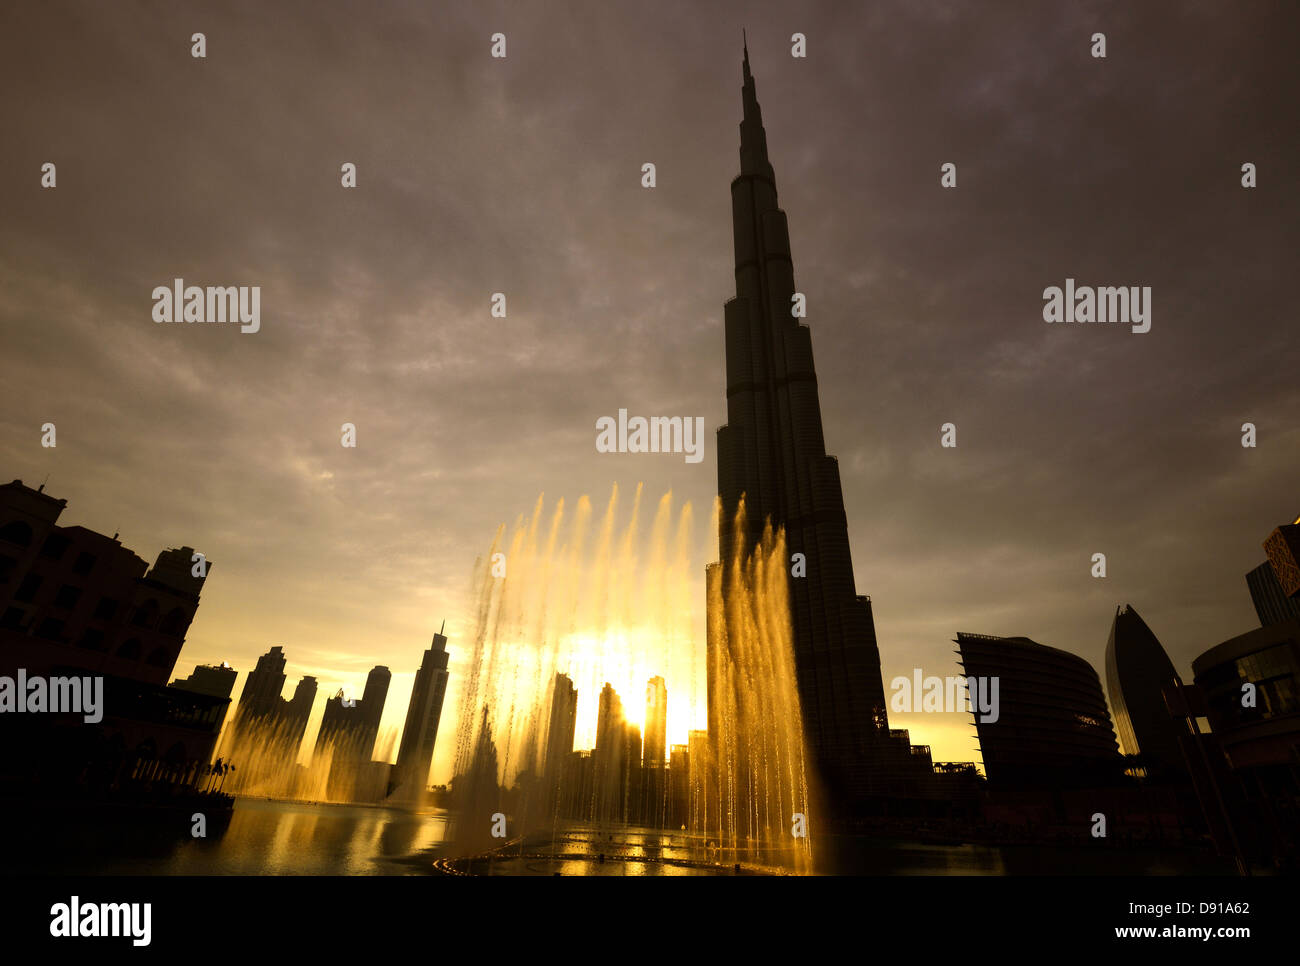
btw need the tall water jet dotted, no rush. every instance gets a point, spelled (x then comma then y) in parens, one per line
(587, 629)
(605, 601)
(759, 802)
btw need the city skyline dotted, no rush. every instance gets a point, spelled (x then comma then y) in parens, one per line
(1070, 442)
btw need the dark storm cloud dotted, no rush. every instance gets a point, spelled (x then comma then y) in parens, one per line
(523, 176)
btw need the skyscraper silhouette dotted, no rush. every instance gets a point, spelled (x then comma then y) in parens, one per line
(656, 722)
(415, 754)
(563, 723)
(771, 453)
(1138, 672)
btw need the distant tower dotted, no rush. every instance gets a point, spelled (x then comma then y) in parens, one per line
(611, 746)
(415, 756)
(372, 708)
(563, 724)
(1138, 671)
(262, 687)
(298, 710)
(348, 731)
(1271, 603)
(609, 720)
(1275, 584)
(656, 722)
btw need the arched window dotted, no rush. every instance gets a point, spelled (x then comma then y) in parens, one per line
(147, 615)
(17, 531)
(173, 624)
(160, 657)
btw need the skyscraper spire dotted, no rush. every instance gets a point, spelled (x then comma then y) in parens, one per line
(753, 139)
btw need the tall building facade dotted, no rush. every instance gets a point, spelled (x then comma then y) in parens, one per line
(1138, 673)
(262, 709)
(1275, 584)
(420, 733)
(72, 597)
(563, 725)
(656, 722)
(771, 453)
(1271, 602)
(348, 730)
(267, 730)
(74, 601)
(1283, 550)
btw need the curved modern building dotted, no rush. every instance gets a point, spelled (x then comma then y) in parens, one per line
(1258, 729)
(1262, 731)
(1052, 726)
(1137, 672)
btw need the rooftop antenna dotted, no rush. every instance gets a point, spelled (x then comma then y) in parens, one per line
(444, 625)
(41, 488)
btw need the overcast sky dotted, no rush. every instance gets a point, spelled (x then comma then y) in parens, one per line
(523, 175)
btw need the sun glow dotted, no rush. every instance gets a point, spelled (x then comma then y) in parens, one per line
(617, 599)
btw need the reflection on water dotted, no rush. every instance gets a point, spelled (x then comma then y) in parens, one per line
(264, 838)
(591, 849)
(296, 838)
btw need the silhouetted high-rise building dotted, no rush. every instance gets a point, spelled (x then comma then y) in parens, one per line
(264, 684)
(73, 600)
(1138, 672)
(267, 730)
(348, 730)
(1275, 584)
(656, 722)
(298, 709)
(1283, 550)
(771, 452)
(1271, 603)
(563, 725)
(415, 755)
(372, 704)
(71, 597)
(1052, 728)
(609, 720)
(608, 756)
(216, 680)
(702, 796)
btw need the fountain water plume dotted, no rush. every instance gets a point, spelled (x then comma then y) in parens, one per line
(760, 767)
